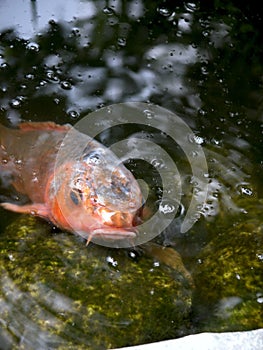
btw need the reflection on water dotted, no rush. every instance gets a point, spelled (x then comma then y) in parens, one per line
(21, 311)
(32, 17)
(59, 61)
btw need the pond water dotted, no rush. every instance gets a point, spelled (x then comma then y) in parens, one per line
(60, 61)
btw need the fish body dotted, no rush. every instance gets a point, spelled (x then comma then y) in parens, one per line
(89, 192)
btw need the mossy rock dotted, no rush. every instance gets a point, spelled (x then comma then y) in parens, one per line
(56, 293)
(228, 277)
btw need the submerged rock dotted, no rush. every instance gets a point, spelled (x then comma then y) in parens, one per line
(228, 276)
(56, 293)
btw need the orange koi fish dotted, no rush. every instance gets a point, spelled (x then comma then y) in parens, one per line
(91, 194)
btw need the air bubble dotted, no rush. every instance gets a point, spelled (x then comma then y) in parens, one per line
(122, 42)
(73, 114)
(66, 85)
(195, 139)
(4, 65)
(202, 112)
(132, 255)
(216, 142)
(75, 32)
(111, 261)
(157, 163)
(51, 76)
(17, 102)
(199, 140)
(246, 191)
(191, 7)
(166, 208)
(32, 47)
(233, 114)
(30, 76)
(108, 11)
(148, 114)
(42, 83)
(164, 11)
(204, 70)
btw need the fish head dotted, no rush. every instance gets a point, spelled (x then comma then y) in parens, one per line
(96, 196)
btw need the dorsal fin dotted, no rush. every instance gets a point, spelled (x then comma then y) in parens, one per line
(27, 126)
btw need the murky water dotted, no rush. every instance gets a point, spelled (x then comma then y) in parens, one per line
(62, 60)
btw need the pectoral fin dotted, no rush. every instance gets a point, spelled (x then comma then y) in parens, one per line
(38, 209)
(29, 126)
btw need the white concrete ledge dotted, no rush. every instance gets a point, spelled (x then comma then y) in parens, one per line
(252, 340)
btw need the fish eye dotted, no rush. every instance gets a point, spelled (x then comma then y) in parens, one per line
(75, 196)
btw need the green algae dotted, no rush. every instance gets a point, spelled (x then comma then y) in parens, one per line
(228, 276)
(57, 293)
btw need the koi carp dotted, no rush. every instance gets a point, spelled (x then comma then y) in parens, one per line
(91, 194)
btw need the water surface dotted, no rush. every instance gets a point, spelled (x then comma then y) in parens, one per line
(61, 60)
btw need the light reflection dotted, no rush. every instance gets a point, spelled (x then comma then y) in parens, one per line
(32, 16)
(22, 317)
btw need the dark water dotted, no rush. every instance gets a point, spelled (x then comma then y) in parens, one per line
(203, 61)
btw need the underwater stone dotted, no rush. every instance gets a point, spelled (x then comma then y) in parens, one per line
(228, 276)
(57, 293)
